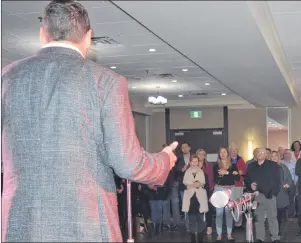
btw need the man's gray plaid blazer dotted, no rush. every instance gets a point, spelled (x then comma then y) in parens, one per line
(66, 125)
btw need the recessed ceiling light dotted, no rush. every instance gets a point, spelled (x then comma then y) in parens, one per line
(151, 50)
(207, 84)
(184, 69)
(174, 81)
(113, 67)
(223, 93)
(134, 87)
(180, 96)
(270, 122)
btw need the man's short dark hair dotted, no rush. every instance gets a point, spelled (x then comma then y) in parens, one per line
(65, 21)
(187, 144)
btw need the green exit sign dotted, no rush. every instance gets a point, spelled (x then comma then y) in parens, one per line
(195, 114)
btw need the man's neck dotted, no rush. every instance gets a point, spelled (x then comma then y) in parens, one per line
(65, 45)
(260, 162)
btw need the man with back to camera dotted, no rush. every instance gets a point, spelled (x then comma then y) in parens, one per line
(67, 124)
(264, 176)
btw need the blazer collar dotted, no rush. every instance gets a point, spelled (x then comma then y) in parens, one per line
(60, 50)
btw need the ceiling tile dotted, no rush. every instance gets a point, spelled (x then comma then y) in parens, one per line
(107, 15)
(12, 23)
(118, 28)
(16, 7)
(284, 6)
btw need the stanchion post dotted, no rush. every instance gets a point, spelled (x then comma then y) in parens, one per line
(129, 209)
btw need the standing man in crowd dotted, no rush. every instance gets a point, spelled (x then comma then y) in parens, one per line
(264, 176)
(298, 173)
(180, 168)
(67, 125)
(291, 165)
(239, 185)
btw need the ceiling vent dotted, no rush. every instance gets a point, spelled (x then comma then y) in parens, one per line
(166, 75)
(201, 94)
(104, 40)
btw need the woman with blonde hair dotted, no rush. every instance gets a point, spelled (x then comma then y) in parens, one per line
(225, 174)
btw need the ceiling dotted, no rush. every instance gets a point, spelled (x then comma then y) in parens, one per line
(229, 57)
(287, 19)
(223, 37)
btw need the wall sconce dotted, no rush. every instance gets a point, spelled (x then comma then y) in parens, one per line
(250, 149)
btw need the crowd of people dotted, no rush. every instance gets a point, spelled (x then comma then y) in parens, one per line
(190, 184)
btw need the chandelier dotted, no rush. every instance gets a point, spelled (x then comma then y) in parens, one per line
(159, 100)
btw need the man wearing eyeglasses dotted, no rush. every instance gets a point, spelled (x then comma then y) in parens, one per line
(264, 176)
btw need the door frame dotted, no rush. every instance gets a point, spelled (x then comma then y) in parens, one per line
(172, 131)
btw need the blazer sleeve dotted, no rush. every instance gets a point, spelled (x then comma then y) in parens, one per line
(123, 152)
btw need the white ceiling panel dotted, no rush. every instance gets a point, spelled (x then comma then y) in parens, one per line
(20, 28)
(106, 15)
(15, 22)
(287, 19)
(288, 7)
(112, 51)
(24, 6)
(223, 38)
(137, 39)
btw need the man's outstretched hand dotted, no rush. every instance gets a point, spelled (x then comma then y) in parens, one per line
(169, 150)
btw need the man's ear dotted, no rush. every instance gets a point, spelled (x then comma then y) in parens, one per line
(88, 39)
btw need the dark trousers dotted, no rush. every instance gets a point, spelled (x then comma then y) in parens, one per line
(299, 204)
(281, 215)
(291, 210)
(197, 222)
(156, 211)
(209, 214)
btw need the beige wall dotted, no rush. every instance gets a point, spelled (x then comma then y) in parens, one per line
(277, 138)
(211, 118)
(157, 131)
(245, 125)
(295, 129)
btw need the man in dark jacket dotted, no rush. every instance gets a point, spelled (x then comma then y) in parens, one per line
(298, 173)
(264, 176)
(178, 173)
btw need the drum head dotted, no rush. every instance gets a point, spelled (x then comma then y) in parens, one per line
(219, 199)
